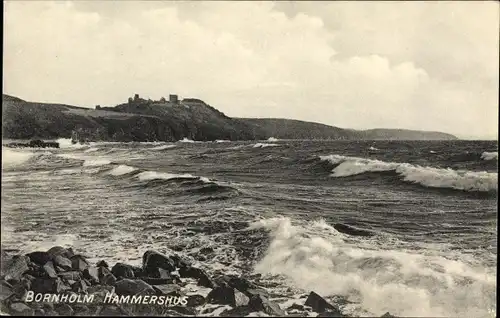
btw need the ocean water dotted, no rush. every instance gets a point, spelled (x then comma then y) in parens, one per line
(269, 208)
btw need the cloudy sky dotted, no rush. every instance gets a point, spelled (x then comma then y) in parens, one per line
(416, 65)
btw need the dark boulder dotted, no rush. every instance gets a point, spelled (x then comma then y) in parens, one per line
(296, 306)
(46, 285)
(14, 267)
(108, 279)
(79, 286)
(347, 229)
(319, 304)
(261, 303)
(92, 274)
(102, 264)
(21, 309)
(151, 260)
(63, 262)
(71, 275)
(223, 295)
(39, 258)
(133, 287)
(167, 289)
(79, 263)
(387, 315)
(61, 251)
(158, 281)
(123, 270)
(199, 274)
(64, 310)
(195, 300)
(102, 272)
(50, 270)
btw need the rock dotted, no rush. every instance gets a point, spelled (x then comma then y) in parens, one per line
(109, 279)
(199, 274)
(183, 310)
(91, 273)
(330, 314)
(223, 295)
(179, 261)
(79, 286)
(64, 310)
(387, 315)
(79, 263)
(152, 260)
(21, 309)
(195, 300)
(61, 251)
(256, 292)
(15, 267)
(167, 289)
(5, 290)
(158, 281)
(132, 287)
(240, 299)
(347, 229)
(261, 303)
(81, 310)
(102, 272)
(296, 306)
(102, 264)
(49, 269)
(243, 311)
(319, 304)
(39, 258)
(63, 262)
(122, 270)
(110, 311)
(46, 285)
(72, 275)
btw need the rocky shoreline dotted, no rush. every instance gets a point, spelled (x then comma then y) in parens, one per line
(62, 282)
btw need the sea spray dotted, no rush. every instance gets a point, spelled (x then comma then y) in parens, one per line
(313, 256)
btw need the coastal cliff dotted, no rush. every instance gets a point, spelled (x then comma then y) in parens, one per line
(172, 120)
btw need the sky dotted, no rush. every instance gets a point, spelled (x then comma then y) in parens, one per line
(414, 65)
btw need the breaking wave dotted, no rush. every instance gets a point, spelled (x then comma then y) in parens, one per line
(489, 155)
(425, 176)
(272, 139)
(163, 147)
(11, 158)
(153, 175)
(314, 256)
(264, 145)
(96, 162)
(121, 170)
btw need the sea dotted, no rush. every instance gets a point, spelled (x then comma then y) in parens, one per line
(268, 209)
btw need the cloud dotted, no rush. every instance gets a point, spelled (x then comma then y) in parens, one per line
(357, 65)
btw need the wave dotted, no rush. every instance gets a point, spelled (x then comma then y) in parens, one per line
(163, 147)
(66, 143)
(272, 139)
(425, 176)
(489, 155)
(154, 175)
(96, 162)
(222, 140)
(264, 145)
(373, 148)
(186, 140)
(12, 158)
(314, 256)
(91, 150)
(121, 170)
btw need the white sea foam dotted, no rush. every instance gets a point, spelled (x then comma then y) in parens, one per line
(221, 141)
(426, 176)
(489, 155)
(11, 158)
(314, 256)
(264, 145)
(121, 170)
(96, 162)
(373, 148)
(163, 147)
(186, 140)
(66, 143)
(151, 175)
(272, 139)
(92, 150)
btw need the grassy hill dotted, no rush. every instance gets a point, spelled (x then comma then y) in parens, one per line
(147, 120)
